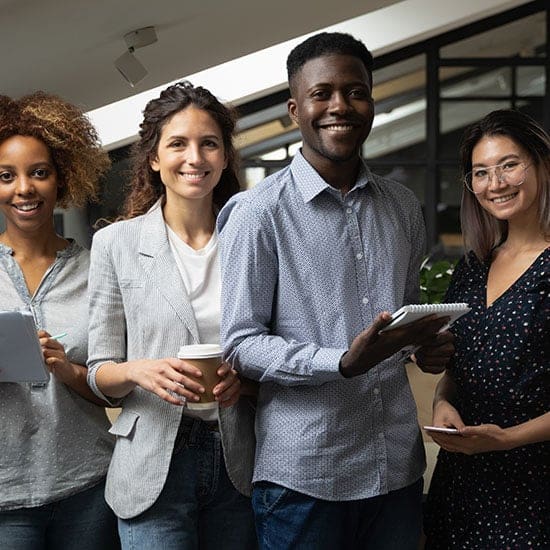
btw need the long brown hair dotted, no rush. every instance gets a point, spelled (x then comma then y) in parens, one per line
(146, 186)
(481, 231)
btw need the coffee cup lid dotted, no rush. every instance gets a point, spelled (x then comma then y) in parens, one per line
(200, 351)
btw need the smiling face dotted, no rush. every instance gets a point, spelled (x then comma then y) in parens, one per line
(332, 104)
(503, 201)
(28, 185)
(190, 156)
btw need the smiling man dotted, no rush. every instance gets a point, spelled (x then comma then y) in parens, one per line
(313, 259)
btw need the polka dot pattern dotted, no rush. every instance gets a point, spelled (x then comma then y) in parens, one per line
(497, 500)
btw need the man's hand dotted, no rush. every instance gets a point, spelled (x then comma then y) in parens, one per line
(433, 356)
(371, 347)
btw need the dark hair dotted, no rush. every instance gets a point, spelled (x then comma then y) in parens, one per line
(69, 136)
(481, 231)
(327, 43)
(146, 185)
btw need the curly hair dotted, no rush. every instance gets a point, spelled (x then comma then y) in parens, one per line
(146, 186)
(70, 137)
(481, 232)
(327, 43)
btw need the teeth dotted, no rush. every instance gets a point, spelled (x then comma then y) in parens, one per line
(194, 175)
(504, 199)
(27, 207)
(338, 127)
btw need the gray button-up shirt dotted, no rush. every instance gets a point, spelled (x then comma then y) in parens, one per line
(54, 442)
(304, 270)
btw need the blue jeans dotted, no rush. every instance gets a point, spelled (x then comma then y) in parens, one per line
(79, 522)
(286, 519)
(198, 506)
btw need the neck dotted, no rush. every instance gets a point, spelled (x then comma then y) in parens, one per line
(192, 221)
(525, 237)
(341, 175)
(33, 246)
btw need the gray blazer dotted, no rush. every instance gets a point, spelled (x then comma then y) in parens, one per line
(139, 309)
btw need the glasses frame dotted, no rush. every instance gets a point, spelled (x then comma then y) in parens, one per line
(467, 179)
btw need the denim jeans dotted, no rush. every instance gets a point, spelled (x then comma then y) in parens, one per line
(198, 506)
(286, 519)
(79, 522)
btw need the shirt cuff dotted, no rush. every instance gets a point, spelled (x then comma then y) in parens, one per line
(326, 364)
(112, 401)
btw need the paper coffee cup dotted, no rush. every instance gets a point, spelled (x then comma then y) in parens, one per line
(207, 358)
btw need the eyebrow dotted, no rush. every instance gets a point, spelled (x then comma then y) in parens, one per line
(501, 160)
(358, 83)
(35, 165)
(208, 136)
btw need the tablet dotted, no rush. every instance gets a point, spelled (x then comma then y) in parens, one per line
(21, 358)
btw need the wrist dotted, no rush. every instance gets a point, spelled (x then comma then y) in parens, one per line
(343, 367)
(512, 438)
(439, 402)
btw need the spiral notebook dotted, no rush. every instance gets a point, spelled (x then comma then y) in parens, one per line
(413, 312)
(21, 358)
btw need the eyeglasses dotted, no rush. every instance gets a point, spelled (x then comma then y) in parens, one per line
(509, 173)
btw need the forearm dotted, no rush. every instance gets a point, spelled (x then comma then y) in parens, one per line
(114, 379)
(77, 382)
(269, 358)
(535, 430)
(445, 390)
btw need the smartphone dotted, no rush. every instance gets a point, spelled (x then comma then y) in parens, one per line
(441, 429)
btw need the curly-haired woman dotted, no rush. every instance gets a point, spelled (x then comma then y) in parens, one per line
(55, 449)
(176, 472)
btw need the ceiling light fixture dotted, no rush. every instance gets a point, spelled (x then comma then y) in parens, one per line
(127, 64)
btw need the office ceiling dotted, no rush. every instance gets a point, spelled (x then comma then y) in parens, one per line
(68, 46)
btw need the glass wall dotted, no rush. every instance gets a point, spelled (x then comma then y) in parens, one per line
(425, 95)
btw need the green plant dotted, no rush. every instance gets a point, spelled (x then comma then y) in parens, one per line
(434, 280)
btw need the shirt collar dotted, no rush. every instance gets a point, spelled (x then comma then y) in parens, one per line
(310, 183)
(66, 252)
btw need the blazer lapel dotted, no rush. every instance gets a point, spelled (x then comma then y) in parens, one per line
(161, 270)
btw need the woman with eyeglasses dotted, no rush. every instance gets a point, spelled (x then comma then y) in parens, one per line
(491, 485)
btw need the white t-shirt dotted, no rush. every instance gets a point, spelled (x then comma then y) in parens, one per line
(200, 272)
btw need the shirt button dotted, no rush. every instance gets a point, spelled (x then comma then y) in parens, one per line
(359, 256)
(376, 391)
(349, 210)
(365, 300)
(381, 435)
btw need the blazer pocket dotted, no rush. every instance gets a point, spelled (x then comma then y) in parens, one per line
(131, 283)
(124, 425)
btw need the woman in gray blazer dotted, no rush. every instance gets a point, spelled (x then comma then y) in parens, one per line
(176, 473)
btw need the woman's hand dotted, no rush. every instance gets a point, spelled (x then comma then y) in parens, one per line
(484, 438)
(228, 390)
(445, 416)
(170, 378)
(470, 440)
(56, 359)
(70, 374)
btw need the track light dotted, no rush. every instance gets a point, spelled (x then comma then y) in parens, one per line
(127, 64)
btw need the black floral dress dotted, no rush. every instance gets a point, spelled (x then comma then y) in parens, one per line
(497, 500)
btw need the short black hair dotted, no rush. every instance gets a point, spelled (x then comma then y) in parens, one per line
(327, 43)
